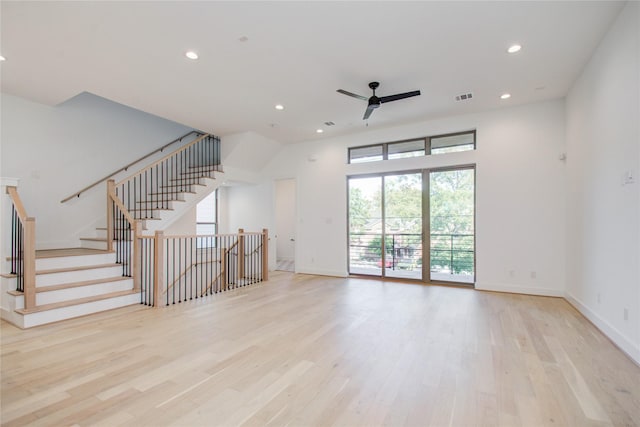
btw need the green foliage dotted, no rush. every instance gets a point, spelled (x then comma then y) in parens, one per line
(375, 246)
(359, 209)
(403, 203)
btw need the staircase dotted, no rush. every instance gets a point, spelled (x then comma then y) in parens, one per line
(44, 286)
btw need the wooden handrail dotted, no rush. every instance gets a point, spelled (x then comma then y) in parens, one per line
(17, 202)
(195, 141)
(120, 205)
(124, 168)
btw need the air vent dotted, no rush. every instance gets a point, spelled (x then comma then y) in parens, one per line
(464, 97)
(329, 124)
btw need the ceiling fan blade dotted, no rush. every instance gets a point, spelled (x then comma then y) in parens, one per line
(368, 112)
(398, 96)
(344, 92)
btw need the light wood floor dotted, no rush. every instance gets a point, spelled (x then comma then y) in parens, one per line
(305, 350)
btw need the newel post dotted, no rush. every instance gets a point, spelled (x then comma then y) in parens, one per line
(158, 262)
(29, 263)
(111, 190)
(137, 271)
(240, 254)
(265, 254)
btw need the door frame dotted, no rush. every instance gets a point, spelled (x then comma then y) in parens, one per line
(426, 222)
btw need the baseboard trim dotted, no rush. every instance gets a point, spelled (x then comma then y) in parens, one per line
(526, 290)
(331, 273)
(620, 340)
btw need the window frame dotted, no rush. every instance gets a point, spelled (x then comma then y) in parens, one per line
(427, 145)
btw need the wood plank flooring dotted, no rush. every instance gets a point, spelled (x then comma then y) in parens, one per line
(306, 350)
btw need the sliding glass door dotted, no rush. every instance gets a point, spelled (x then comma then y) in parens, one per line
(403, 225)
(452, 225)
(365, 226)
(389, 215)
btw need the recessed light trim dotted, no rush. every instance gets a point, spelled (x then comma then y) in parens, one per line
(505, 96)
(191, 55)
(319, 130)
(279, 107)
(514, 48)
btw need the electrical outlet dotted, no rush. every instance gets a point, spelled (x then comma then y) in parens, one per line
(626, 314)
(534, 275)
(512, 273)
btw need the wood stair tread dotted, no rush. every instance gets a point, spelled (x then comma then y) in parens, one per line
(79, 268)
(82, 283)
(160, 201)
(70, 303)
(150, 209)
(182, 185)
(181, 192)
(67, 252)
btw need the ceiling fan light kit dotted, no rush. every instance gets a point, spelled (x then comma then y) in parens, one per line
(375, 101)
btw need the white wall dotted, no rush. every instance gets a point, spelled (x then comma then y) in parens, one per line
(249, 207)
(603, 215)
(55, 151)
(520, 209)
(185, 225)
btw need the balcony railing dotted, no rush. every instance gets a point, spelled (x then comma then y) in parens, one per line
(451, 254)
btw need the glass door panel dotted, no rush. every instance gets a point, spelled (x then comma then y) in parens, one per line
(452, 240)
(403, 225)
(365, 225)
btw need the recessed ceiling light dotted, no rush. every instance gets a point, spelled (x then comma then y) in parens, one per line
(505, 96)
(279, 107)
(2, 58)
(514, 48)
(191, 55)
(319, 130)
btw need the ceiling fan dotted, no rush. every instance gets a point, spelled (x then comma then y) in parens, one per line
(375, 101)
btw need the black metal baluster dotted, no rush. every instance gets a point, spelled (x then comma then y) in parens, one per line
(14, 242)
(190, 268)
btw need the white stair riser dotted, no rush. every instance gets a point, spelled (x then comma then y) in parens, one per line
(74, 261)
(92, 244)
(10, 302)
(77, 276)
(49, 316)
(82, 291)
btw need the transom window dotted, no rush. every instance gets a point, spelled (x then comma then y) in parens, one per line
(437, 144)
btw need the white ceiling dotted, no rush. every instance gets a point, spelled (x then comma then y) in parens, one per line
(297, 54)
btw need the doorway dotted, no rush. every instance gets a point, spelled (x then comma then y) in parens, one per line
(285, 224)
(413, 225)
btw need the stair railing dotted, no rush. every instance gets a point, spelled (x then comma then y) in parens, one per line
(123, 232)
(181, 268)
(23, 249)
(157, 185)
(125, 168)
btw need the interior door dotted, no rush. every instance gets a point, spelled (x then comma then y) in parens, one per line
(285, 224)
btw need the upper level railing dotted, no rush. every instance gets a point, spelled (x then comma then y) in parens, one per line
(176, 269)
(126, 167)
(154, 187)
(23, 248)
